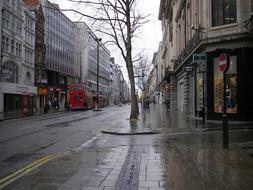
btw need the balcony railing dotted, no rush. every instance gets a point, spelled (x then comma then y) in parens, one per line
(191, 44)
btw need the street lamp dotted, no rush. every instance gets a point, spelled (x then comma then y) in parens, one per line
(98, 40)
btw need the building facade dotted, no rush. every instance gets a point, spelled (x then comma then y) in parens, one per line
(60, 36)
(17, 90)
(193, 30)
(40, 74)
(89, 48)
(60, 52)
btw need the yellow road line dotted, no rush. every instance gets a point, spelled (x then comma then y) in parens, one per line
(96, 131)
(20, 173)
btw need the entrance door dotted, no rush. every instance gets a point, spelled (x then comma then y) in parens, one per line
(180, 95)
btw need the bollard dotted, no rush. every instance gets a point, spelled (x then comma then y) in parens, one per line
(225, 131)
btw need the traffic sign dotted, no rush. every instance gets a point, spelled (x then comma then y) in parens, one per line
(223, 62)
(199, 57)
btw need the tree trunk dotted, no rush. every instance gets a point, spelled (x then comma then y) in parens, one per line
(134, 102)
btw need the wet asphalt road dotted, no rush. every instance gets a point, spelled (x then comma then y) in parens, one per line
(24, 140)
(184, 155)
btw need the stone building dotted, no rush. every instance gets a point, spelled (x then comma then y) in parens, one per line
(40, 54)
(89, 47)
(195, 34)
(17, 90)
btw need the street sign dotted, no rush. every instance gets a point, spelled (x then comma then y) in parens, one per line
(188, 69)
(199, 57)
(223, 62)
(201, 67)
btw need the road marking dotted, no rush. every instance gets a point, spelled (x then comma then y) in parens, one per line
(27, 169)
(89, 141)
(97, 131)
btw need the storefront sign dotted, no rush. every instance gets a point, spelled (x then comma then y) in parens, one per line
(42, 91)
(22, 89)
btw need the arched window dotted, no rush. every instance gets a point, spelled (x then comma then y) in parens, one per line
(10, 72)
(28, 78)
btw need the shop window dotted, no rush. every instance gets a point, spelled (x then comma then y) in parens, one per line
(223, 12)
(200, 90)
(231, 88)
(12, 105)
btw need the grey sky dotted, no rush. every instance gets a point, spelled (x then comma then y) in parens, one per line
(150, 35)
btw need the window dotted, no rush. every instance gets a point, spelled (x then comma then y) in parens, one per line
(12, 47)
(18, 49)
(6, 2)
(19, 27)
(223, 12)
(5, 43)
(13, 3)
(6, 19)
(251, 5)
(10, 72)
(76, 88)
(28, 78)
(19, 7)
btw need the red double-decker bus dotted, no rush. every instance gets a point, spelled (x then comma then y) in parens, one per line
(77, 97)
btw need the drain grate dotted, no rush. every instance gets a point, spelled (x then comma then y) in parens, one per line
(129, 174)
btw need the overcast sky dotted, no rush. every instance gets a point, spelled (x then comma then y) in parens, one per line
(149, 38)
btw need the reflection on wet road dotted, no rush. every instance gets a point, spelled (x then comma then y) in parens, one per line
(181, 157)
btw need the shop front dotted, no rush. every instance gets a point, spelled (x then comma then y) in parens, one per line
(56, 99)
(41, 99)
(239, 81)
(18, 100)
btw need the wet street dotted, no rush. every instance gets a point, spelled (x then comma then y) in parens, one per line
(104, 150)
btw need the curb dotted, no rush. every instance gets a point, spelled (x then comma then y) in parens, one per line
(35, 116)
(131, 133)
(231, 128)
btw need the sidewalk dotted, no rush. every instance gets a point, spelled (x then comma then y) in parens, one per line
(157, 120)
(162, 150)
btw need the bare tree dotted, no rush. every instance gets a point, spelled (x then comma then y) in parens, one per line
(142, 70)
(119, 20)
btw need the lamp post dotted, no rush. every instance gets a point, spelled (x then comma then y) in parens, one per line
(98, 40)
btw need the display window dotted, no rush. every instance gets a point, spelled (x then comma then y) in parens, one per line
(199, 89)
(231, 87)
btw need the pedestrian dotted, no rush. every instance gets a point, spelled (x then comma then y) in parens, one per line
(56, 104)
